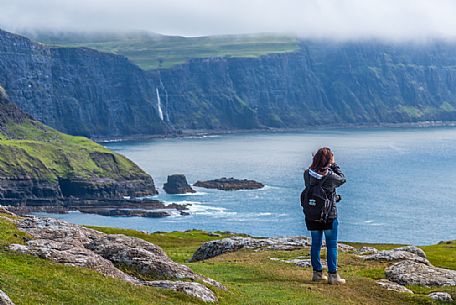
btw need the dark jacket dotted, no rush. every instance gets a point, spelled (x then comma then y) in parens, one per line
(335, 179)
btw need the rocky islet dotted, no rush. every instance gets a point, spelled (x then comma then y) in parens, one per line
(230, 184)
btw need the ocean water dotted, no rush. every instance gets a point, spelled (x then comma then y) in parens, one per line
(401, 184)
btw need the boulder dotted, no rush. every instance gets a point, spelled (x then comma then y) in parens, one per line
(4, 298)
(177, 184)
(196, 290)
(409, 272)
(299, 261)
(70, 255)
(230, 244)
(216, 247)
(412, 249)
(396, 255)
(388, 285)
(366, 250)
(230, 184)
(441, 296)
(71, 244)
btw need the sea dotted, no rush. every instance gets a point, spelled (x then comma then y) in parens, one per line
(401, 183)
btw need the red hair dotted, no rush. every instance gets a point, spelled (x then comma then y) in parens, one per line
(321, 160)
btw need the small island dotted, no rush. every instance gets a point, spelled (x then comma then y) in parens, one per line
(177, 184)
(230, 184)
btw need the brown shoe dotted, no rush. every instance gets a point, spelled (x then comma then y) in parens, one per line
(335, 279)
(318, 276)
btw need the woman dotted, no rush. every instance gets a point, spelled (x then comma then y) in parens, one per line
(324, 167)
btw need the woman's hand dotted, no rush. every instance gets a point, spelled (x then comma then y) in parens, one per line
(332, 161)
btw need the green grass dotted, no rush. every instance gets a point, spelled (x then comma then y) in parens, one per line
(30, 148)
(251, 277)
(150, 51)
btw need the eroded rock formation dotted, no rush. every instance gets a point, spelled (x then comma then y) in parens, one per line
(74, 245)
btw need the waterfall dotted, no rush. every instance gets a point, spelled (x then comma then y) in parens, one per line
(165, 114)
(159, 106)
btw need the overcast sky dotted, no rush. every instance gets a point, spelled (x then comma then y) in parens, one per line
(340, 19)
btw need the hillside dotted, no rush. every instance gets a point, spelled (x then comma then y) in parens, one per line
(250, 276)
(39, 164)
(82, 91)
(152, 51)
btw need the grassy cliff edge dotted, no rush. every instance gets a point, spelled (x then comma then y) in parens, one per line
(38, 162)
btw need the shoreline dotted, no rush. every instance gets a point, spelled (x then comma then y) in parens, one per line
(189, 133)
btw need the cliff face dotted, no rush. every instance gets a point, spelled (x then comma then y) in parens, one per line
(77, 90)
(85, 92)
(41, 166)
(323, 83)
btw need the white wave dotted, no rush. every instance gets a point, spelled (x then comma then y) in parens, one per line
(192, 194)
(269, 187)
(182, 202)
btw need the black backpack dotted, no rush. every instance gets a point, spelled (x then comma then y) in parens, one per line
(316, 203)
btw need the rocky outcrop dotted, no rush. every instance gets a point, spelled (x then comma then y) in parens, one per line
(409, 272)
(193, 289)
(441, 296)
(74, 245)
(4, 299)
(410, 267)
(217, 247)
(366, 250)
(410, 253)
(177, 184)
(230, 184)
(388, 285)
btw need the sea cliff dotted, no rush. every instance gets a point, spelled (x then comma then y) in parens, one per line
(86, 92)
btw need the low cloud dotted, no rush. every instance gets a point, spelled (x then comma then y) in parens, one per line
(337, 19)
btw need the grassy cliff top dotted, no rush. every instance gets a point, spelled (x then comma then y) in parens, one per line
(251, 277)
(151, 51)
(30, 148)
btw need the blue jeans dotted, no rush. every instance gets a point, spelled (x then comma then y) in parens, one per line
(331, 248)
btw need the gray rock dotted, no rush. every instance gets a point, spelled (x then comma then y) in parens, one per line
(230, 244)
(4, 299)
(300, 262)
(74, 245)
(193, 289)
(412, 249)
(393, 286)
(366, 250)
(344, 248)
(395, 255)
(68, 254)
(409, 272)
(214, 248)
(441, 296)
